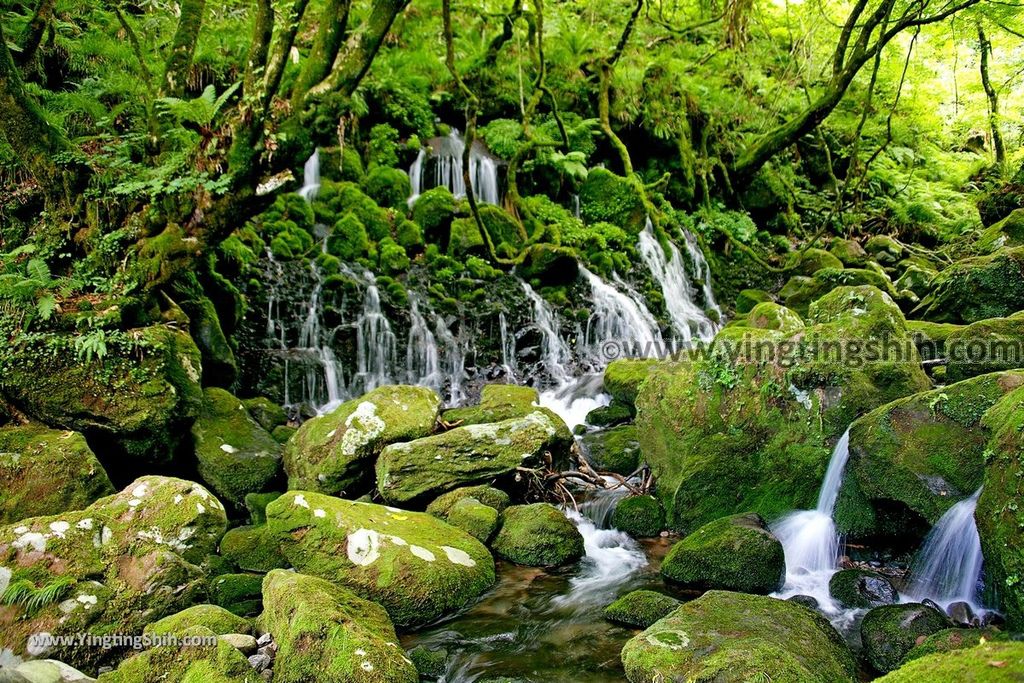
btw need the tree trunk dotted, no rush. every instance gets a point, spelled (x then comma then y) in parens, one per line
(32, 37)
(985, 47)
(183, 47)
(329, 37)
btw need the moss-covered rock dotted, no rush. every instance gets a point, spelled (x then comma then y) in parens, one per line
(728, 433)
(985, 346)
(615, 413)
(256, 504)
(1008, 232)
(348, 239)
(891, 631)
(389, 187)
(476, 519)
(613, 450)
(416, 566)
(252, 549)
(213, 661)
(772, 316)
(951, 639)
(546, 265)
(850, 252)
(267, 413)
(914, 458)
(418, 471)
(213, 617)
(488, 495)
(609, 198)
(916, 279)
(930, 338)
(861, 588)
(827, 279)
(283, 433)
(497, 402)
(434, 211)
(999, 662)
(465, 239)
(333, 453)
(639, 516)
(884, 249)
(734, 637)
(138, 401)
(622, 378)
(240, 594)
(46, 471)
(733, 553)
(640, 609)
(748, 298)
(431, 664)
(813, 260)
(537, 535)
(976, 289)
(236, 455)
(326, 633)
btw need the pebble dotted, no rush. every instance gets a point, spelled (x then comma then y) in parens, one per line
(267, 675)
(264, 639)
(260, 662)
(245, 644)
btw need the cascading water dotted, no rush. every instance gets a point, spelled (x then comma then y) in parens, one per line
(948, 566)
(454, 361)
(312, 339)
(311, 177)
(555, 354)
(810, 540)
(689, 321)
(416, 177)
(617, 317)
(421, 354)
(508, 348)
(376, 345)
(447, 160)
(703, 272)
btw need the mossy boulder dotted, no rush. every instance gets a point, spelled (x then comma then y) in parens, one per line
(126, 560)
(884, 249)
(547, 265)
(640, 608)
(914, 458)
(891, 631)
(488, 495)
(326, 633)
(47, 471)
(431, 664)
(748, 298)
(930, 338)
(256, 504)
(497, 402)
(213, 617)
(609, 198)
(805, 292)
(240, 594)
(138, 401)
(268, 414)
(622, 378)
(999, 662)
(389, 187)
(235, 454)
(252, 549)
(850, 252)
(916, 279)
(735, 637)
(613, 450)
(476, 519)
(418, 471)
(861, 589)
(727, 433)
(213, 661)
(813, 260)
(772, 316)
(615, 413)
(416, 566)
(465, 239)
(1008, 232)
(985, 346)
(434, 211)
(639, 516)
(537, 535)
(334, 453)
(976, 288)
(951, 639)
(733, 553)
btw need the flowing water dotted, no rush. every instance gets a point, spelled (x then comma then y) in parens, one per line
(446, 158)
(376, 344)
(948, 566)
(311, 177)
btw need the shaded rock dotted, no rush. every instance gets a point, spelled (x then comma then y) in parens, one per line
(891, 631)
(850, 252)
(239, 594)
(748, 298)
(884, 249)
(639, 516)
(976, 289)
(487, 495)
(640, 609)
(537, 535)
(860, 588)
(808, 601)
(916, 279)
(431, 664)
(985, 346)
(267, 413)
(252, 548)
(615, 413)
(613, 450)
(217, 661)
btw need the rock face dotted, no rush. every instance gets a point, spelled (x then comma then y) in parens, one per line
(640, 609)
(976, 288)
(891, 631)
(140, 404)
(417, 471)
(326, 633)
(639, 516)
(613, 450)
(622, 378)
(986, 346)
(119, 564)
(537, 535)
(217, 662)
(992, 663)
(236, 455)
(912, 459)
(334, 453)
(416, 566)
(733, 637)
(859, 588)
(728, 433)
(733, 553)
(46, 471)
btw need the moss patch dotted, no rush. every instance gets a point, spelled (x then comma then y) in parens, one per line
(537, 535)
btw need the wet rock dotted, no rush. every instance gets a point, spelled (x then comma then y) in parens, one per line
(640, 608)
(615, 413)
(431, 664)
(613, 450)
(807, 601)
(962, 614)
(639, 516)
(993, 662)
(860, 588)
(892, 631)
(537, 535)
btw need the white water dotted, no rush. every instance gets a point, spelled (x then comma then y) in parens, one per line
(376, 345)
(703, 273)
(421, 353)
(617, 317)
(312, 339)
(810, 540)
(689, 320)
(483, 170)
(555, 353)
(508, 348)
(947, 568)
(453, 362)
(311, 177)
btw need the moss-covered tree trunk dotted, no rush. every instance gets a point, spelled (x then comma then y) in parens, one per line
(985, 48)
(329, 37)
(32, 36)
(183, 47)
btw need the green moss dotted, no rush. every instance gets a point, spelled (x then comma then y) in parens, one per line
(622, 378)
(613, 450)
(537, 535)
(476, 519)
(861, 588)
(393, 259)
(748, 298)
(614, 413)
(640, 609)
(45, 471)
(639, 516)
(252, 549)
(737, 637)
(256, 504)
(267, 413)
(409, 235)
(884, 249)
(431, 664)
(976, 288)
(240, 594)
(802, 293)
(849, 252)
(732, 553)
(497, 402)
(213, 617)
(546, 265)
(813, 260)
(917, 280)
(216, 663)
(348, 239)
(930, 338)
(464, 238)
(987, 663)
(388, 187)
(606, 197)
(951, 639)
(891, 631)
(487, 495)
(985, 346)
(337, 199)
(282, 433)
(772, 316)
(433, 212)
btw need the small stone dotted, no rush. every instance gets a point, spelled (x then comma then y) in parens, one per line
(267, 675)
(241, 642)
(269, 650)
(264, 639)
(806, 600)
(962, 614)
(931, 603)
(260, 662)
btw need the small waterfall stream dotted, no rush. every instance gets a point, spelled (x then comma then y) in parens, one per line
(446, 157)
(311, 177)
(555, 353)
(617, 317)
(376, 344)
(421, 354)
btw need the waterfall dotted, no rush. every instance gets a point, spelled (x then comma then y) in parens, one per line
(809, 537)
(689, 321)
(576, 205)
(421, 353)
(447, 159)
(702, 271)
(555, 354)
(311, 177)
(416, 177)
(947, 568)
(508, 347)
(312, 340)
(375, 342)
(616, 317)
(454, 361)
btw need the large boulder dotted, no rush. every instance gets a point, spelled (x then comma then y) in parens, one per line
(334, 453)
(999, 662)
(861, 589)
(1008, 232)
(750, 427)
(914, 458)
(639, 516)
(207, 658)
(976, 288)
(891, 631)
(537, 535)
(622, 378)
(476, 519)
(801, 293)
(850, 252)
(640, 608)
(986, 346)
(418, 471)
(497, 402)
(47, 471)
(138, 400)
(733, 638)
(488, 495)
(213, 617)
(733, 553)
(119, 564)
(951, 639)
(235, 454)
(613, 450)
(326, 633)
(416, 566)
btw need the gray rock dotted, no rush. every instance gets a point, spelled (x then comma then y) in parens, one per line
(264, 639)
(805, 600)
(962, 614)
(241, 642)
(260, 662)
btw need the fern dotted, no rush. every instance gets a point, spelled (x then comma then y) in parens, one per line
(202, 110)
(23, 593)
